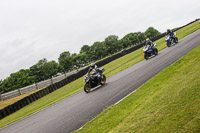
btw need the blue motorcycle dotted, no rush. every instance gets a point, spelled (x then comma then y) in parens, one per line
(149, 51)
(171, 40)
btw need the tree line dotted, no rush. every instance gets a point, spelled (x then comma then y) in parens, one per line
(44, 69)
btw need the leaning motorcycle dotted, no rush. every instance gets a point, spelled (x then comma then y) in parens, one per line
(149, 51)
(171, 40)
(93, 80)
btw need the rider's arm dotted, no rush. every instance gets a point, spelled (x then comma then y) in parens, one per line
(97, 69)
(90, 69)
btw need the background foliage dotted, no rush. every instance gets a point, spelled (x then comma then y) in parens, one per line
(44, 69)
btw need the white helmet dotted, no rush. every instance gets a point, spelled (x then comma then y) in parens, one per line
(92, 65)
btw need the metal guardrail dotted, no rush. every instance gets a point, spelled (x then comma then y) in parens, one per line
(35, 86)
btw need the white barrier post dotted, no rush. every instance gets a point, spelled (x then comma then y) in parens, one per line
(65, 75)
(36, 85)
(20, 93)
(51, 81)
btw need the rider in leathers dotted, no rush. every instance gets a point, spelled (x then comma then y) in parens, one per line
(169, 32)
(95, 69)
(150, 43)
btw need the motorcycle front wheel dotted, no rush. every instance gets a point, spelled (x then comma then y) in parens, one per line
(103, 80)
(87, 88)
(176, 39)
(146, 56)
(155, 51)
(168, 45)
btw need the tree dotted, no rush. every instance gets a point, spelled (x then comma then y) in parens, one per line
(50, 69)
(130, 39)
(65, 61)
(99, 50)
(141, 36)
(112, 44)
(85, 48)
(79, 60)
(125, 42)
(1, 86)
(17, 80)
(40, 71)
(37, 70)
(151, 32)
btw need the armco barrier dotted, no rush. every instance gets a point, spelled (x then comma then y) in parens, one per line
(37, 95)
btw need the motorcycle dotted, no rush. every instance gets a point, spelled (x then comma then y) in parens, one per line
(92, 80)
(149, 51)
(171, 41)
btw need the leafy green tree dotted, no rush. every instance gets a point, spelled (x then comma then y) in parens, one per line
(88, 51)
(75, 60)
(125, 42)
(17, 80)
(112, 44)
(151, 32)
(37, 70)
(65, 61)
(50, 69)
(85, 48)
(99, 50)
(1, 86)
(141, 36)
(6, 85)
(79, 60)
(130, 39)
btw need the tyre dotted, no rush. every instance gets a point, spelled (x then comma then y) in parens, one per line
(168, 45)
(155, 51)
(103, 80)
(87, 88)
(146, 56)
(173, 41)
(176, 39)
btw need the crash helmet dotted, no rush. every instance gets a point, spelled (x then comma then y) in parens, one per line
(147, 40)
(92, 65)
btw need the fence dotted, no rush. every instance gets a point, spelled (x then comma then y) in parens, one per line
(32, 87)
(62, 82)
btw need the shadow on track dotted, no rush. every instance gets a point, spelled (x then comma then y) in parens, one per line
(96, 88)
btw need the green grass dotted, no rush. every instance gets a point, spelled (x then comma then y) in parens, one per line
(169, 102)
(5, 103)
(76, 86)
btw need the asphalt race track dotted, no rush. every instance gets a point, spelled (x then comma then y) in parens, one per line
(73, 112)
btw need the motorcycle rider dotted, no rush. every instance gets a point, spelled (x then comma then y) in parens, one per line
(149, 42)
(170, 33)
(95, 69)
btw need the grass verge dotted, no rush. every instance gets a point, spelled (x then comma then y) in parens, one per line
(169, 102)
(10, 101)
(76, 86)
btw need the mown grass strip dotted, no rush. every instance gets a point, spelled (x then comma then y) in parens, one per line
(169, 102)
(10, 101)
(77, 85)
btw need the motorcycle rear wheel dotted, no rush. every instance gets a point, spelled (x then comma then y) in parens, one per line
(87, 88)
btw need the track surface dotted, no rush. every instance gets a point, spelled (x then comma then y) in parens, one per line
(73, 112)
